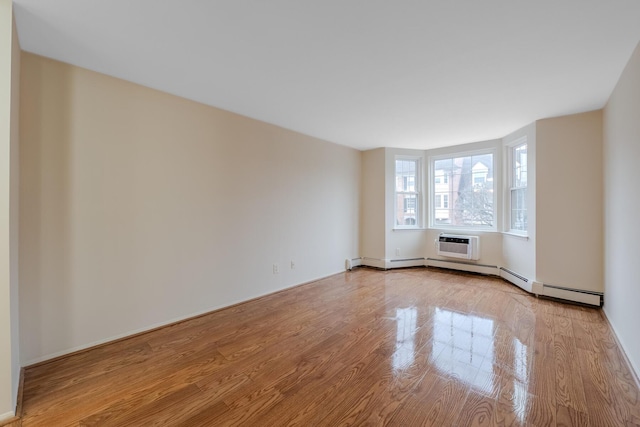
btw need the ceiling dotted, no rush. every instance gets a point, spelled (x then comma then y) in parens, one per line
(362, 73)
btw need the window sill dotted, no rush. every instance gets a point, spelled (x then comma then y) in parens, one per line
(516, 235)
(463, 231)
(409, 229)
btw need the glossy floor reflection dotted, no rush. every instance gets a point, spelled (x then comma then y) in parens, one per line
(414, 347)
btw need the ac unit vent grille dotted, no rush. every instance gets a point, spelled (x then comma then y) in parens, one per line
(452, 245)
(456, 248)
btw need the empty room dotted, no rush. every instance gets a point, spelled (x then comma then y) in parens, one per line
(329, 213)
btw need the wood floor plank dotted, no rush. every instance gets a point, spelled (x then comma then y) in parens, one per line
(393, 388)
(568, 417)
(337, 400)
(414, 347)
(443, 403)
(478, 410)
(569, 386)
(605, 407)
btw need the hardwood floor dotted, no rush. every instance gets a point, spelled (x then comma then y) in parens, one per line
(415, 347)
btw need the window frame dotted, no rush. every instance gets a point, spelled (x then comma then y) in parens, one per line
(511, 147)
(431, 211)
(418, 219)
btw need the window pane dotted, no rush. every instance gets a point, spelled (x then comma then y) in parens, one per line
(407, 202)
(519, 209)
(519, 188)
(442, 165)
(467, 189)
(520, 166)
(406, 175)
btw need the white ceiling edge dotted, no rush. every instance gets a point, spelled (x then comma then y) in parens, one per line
(365, 74)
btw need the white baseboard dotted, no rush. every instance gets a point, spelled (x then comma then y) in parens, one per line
(7, 416)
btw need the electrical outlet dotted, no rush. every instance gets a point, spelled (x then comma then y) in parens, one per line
(276, 269)
(293, 265)
(397, 251)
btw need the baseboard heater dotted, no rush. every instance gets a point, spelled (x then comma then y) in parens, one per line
(462, 265)
(531, 286)
(577, 295)
(513, 273)
(558, 292)
(386, 264)
(350, 263)
(520, 281)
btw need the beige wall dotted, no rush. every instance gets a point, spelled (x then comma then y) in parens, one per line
(139, 208)
(9, 190)
(372, 220)
(621, 207)
(569, 198)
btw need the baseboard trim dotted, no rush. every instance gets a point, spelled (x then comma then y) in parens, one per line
(8, 418)
(11, 417)
(121, 337)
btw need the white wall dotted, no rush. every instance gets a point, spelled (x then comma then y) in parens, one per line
(621, 208)
(139, 208)
(569, 198)
(9, 167)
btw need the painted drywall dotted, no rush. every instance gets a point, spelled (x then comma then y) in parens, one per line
(139, 208)
(569, 198)
(519, 253)
(372, 219)
(621, 207)
(9, 187)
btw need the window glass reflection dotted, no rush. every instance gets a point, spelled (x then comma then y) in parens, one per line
(404, 354)
(461, 343)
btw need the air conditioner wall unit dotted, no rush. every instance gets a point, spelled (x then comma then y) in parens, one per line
(456, 246)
